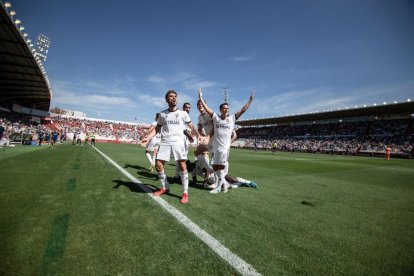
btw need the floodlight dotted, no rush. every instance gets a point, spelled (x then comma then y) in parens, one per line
(17, 21)
(408, 100)
(7, 5)
(12, 13)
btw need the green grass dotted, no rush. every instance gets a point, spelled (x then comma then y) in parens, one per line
(68, 211)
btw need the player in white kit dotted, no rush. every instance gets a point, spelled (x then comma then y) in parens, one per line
(223, 129)
(205, 130)
(188, 141)
(171, 124)
(153, 144)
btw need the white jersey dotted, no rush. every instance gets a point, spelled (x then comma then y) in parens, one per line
(157, 137)
(173, 126)
(206, 122)
(223, 128)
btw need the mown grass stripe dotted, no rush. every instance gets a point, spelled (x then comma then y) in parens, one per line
(56, 243)
(71, 185)
(235, 261)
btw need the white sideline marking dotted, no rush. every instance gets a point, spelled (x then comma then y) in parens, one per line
(235, 261)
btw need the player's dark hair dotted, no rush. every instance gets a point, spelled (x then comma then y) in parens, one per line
(186, 104)
(223, 104)
(156, 116)
(168, 92)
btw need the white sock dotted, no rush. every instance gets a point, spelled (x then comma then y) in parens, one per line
(184, 181)
(217, 179)
(149, 157)
(242, 180)
(226, 168)
(222, 180)
(153, 159)
(163, 180)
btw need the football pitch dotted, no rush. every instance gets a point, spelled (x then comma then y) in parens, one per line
(69, 211)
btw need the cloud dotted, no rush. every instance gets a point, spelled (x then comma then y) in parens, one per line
(195, 84)
(172, 79)
(182, 80)
(154, 101)
(149, 100)
(87, 96)
(242, 58)
(156, 79)
(92, 101)
(323, 99)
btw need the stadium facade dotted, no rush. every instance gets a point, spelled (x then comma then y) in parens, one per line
(24, 84)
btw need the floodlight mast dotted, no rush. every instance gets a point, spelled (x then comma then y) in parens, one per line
(43, 43)
(226, 95)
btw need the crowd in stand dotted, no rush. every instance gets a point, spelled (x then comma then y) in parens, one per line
(361, 137)
(14, 124)
(332, 137)
(103, 130)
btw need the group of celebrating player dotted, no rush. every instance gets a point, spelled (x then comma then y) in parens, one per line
(173, 131)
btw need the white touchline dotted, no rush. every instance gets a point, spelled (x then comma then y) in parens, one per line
(235, 261)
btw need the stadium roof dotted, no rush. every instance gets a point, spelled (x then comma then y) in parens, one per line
(22, 78)
(384, 110)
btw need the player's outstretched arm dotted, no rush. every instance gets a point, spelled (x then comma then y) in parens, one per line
(246, 106)
(151, 134)
(148, 131)
(194, 131)
(191, 133)
(206, 108)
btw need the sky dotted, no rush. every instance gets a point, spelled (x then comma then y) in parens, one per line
(116, 59)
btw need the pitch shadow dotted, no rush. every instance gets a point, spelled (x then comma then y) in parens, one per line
(133, 187)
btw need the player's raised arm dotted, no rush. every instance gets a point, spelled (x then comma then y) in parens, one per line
(246, 106)
(206, 108)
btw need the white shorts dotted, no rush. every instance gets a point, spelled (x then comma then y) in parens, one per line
(179, 152)
(220, 157)
(153, 144)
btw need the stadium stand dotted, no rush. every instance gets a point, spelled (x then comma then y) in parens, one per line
(24, 84)
(341, 133)
(21, 128)
(25, 97)
(363, 131)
